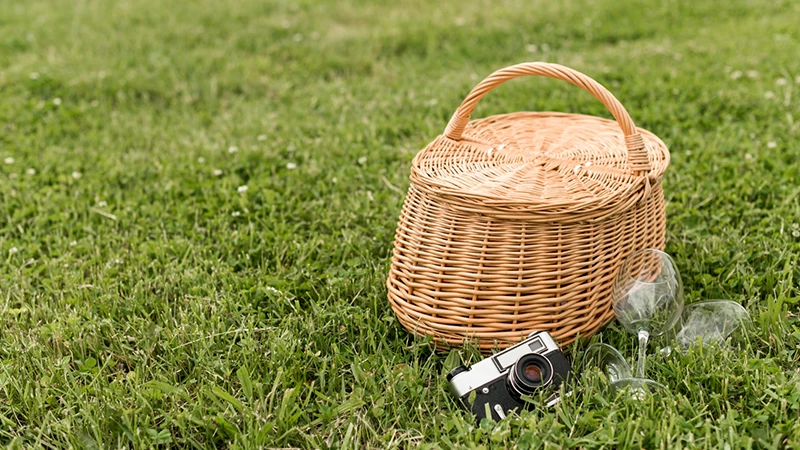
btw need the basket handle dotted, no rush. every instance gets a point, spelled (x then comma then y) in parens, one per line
(638, 161)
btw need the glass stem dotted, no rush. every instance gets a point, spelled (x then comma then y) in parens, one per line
(644, 335)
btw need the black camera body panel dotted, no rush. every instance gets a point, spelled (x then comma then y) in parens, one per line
(491, 381)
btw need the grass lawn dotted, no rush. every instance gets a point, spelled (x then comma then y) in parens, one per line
(198, 202)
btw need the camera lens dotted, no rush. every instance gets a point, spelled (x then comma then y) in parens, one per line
(530, 372)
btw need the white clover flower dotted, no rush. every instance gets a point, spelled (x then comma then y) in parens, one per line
(769, 94)
(76, 175)
(217, 172)
(748, 156)
(233, 149)
(236, 214)
(242, 189)
(291, 166)
(362, 160)
(56, 101)
(31, 172)
(771, 144)
(781, 81)
(797, 79)
(261, 137)
(34, 75)
(796, 233)
(736, 74)
(13, 250)
(532, 48)
(334, 180)
(201, 160)
(752, 74)
(9, 160)
(102, 204)
(297, 37)
(73, 243)
(12, 176)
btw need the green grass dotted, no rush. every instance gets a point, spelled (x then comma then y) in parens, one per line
(145, 301)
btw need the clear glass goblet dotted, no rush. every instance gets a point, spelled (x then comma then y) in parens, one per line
(647, 297)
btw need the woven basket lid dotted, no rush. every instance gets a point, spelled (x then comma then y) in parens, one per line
(542, 166)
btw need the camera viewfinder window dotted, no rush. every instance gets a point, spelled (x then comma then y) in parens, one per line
(536, 345)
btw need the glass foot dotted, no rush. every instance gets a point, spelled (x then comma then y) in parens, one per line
(608, 360)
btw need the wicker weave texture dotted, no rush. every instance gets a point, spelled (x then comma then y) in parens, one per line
(519, 222)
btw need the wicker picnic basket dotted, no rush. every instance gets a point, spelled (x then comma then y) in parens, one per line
(518, 222)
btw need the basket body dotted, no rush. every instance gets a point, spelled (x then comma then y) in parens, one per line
(518, 223)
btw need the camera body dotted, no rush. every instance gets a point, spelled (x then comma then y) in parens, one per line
(499, 381)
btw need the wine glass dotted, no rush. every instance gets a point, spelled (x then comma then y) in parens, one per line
(647, 298)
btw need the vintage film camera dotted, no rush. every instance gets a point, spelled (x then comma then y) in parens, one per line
(496, 386)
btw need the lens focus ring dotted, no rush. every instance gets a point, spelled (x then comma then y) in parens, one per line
(530, 372)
